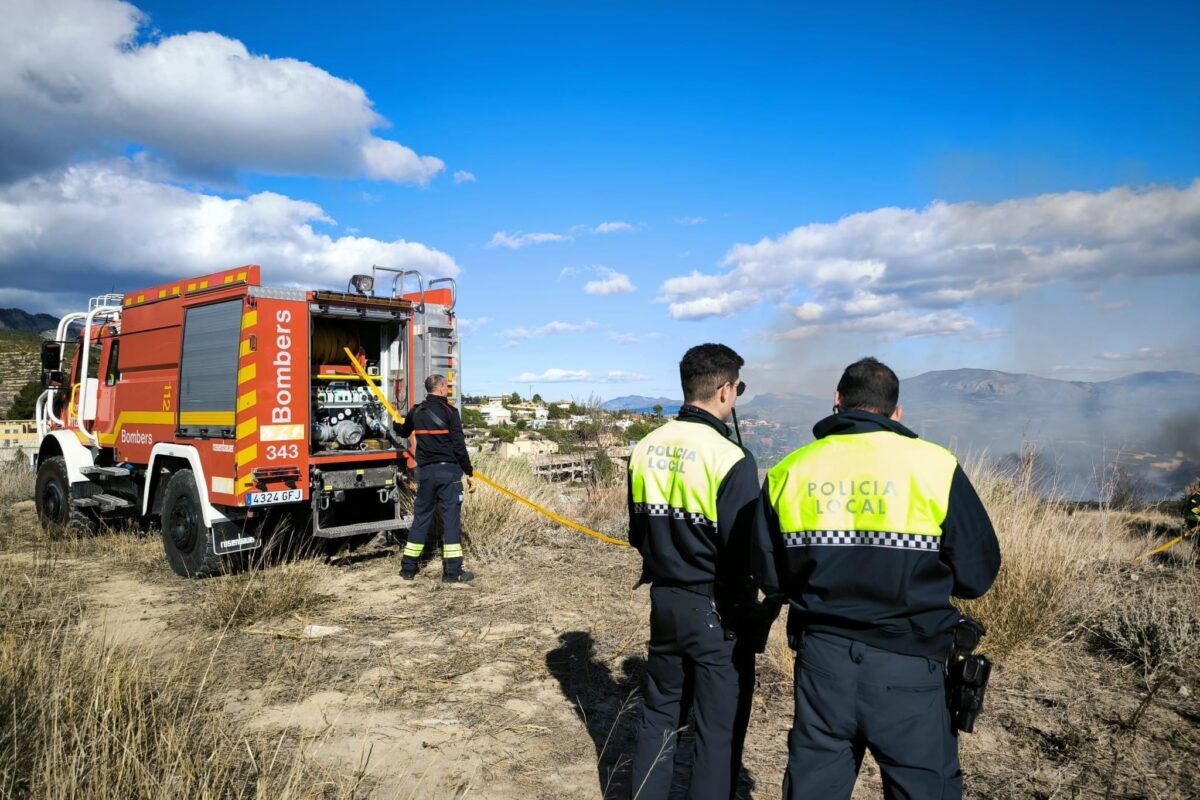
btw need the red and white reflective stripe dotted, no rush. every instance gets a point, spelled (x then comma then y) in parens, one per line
(431, 433)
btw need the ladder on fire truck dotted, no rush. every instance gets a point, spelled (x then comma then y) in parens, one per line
(435, 336)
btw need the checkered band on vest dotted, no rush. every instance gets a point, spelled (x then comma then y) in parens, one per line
(903, 541)
(664, 510)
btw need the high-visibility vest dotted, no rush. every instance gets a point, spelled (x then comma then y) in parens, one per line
(679, 467)
(878, 489)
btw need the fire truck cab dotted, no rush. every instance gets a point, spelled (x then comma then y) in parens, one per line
(209, 405)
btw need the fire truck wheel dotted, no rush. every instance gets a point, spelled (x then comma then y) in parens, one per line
(56, 510)
(184, 535)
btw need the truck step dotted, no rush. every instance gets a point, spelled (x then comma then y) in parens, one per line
(359, 528)
(106, 502)
(104, 472)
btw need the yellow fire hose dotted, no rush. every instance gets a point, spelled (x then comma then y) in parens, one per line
(1164, 548)
(375, 390)
(545, 511)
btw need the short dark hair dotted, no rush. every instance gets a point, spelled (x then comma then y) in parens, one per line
(705, 368)
(434, 382)
(869, 385)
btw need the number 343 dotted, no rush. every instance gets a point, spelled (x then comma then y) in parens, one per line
(277, 451)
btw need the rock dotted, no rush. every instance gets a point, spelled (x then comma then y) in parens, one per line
(321, 631)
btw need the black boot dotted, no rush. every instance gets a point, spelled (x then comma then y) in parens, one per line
(462, 576)
(409, 568)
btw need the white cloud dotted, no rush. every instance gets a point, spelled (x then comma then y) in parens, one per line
(912, 268)
(515, 241)
(1141, 354)
(808, 312)
(555, 375)
(625, 337)
(75, 77)
(472, 326)
(691, 220)
(893, 325)
(109, 218)
(549, 329)
(462, 176)
(612, 227)
(721, 304)
(610, 282)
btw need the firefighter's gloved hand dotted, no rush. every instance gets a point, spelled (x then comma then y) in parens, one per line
(470, 485)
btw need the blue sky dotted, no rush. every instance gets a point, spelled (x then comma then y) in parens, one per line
(1040, 134)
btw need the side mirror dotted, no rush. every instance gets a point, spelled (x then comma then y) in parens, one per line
(51, 356)
(52, 378)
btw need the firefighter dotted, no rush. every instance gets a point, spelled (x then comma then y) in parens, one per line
(693, 505)
(443, 461)
(875, 530)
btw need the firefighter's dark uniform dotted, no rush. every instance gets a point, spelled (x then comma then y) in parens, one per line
(442, 459)
(876, 530)
(693, 497)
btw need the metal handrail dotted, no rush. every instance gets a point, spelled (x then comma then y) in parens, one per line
(43, 413)
(86, 344)
(401, 275)
(453, 289)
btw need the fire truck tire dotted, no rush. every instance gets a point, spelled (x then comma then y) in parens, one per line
(56, 508)
(185, 537)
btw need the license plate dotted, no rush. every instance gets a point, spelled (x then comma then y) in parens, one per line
(272, 498)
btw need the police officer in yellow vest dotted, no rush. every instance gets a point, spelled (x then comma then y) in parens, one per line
(693, 508)
(877, 529)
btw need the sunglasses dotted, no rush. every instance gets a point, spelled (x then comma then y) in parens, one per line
(741, 387)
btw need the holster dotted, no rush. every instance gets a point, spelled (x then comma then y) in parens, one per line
(967, 674)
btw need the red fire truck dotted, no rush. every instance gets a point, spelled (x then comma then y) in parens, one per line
(209, 404)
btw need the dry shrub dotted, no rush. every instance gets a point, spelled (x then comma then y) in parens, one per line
(260, 594)
(1048, 555)
(16, 484)
(81, 718)
(1156, 626)
(16, 481)
(607, 508)
(493, 523)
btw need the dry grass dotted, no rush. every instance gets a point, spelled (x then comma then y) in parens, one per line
(16, 485)
(16, 481)
(493, 524)
(256, 595)
(1048, 553)
(83, 718)
(606, 509)
(1156, 625)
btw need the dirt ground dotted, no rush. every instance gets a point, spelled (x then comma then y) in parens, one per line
(523, 685)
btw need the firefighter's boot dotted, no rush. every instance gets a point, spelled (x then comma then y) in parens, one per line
(410, 564)
(460, 576)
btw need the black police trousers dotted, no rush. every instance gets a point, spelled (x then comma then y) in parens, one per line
(851, 697)
(438, 484)
(692, 666)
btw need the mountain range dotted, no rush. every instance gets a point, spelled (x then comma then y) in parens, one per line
(1147, 422)
(14, 319)
(641, 404)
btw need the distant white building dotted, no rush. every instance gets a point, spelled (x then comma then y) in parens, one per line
(529, 411)
(493, 413)
(526, 447)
